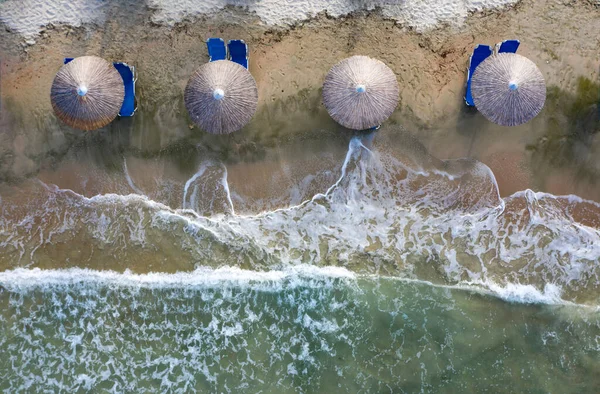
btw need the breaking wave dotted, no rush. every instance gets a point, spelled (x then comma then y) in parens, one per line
(399, 215)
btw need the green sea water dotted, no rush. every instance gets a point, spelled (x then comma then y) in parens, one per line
(302, 331)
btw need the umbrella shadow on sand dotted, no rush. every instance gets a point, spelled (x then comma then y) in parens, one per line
(471, 124)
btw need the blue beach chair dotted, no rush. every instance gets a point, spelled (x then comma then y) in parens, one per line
(127, 73)
(508, 46)
(480, 53)
(238, 52)
(216, 49)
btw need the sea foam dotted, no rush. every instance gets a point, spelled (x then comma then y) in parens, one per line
(518, 293)
(289, 277)
(99, 331)
(22, 278)
(383, 216)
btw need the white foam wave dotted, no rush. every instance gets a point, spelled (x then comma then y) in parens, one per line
(273, 280)
(129, 180)
(536, 196)
(22, 278)
(200, 198)
(510, 292)
(197, 175)
(519, 293)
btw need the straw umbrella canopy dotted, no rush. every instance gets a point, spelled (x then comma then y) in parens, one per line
(221, 97)
(87, 93)
(360, 92)
(508, 89)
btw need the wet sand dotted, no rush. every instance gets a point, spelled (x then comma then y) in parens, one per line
(291, 124)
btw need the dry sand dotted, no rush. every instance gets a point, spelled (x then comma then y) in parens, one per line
(289, 65)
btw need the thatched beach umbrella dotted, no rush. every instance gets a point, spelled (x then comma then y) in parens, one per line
(360, 92)
(508, 89)
(87, 93)
(221, 97)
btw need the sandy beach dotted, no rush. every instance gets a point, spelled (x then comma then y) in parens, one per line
(289, 64)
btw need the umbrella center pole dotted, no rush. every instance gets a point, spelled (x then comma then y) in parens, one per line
(82, 90)
(512, 85)
(360, 88)
(218, 94)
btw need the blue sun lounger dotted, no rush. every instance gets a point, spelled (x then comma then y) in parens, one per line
(216, 49)
(238, 52)
(127, 73)
(508, 46)
(480, 53)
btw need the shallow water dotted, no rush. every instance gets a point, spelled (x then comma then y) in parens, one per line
(382, 212)
(300, 330)
(386, 270)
